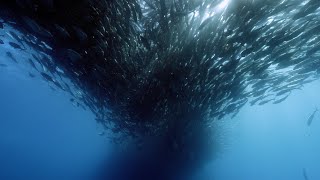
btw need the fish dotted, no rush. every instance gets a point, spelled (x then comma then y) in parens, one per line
(159, 65)
(47, 77)
(14, 36)
(283, 91)
(62, 32)
(3, 65)
(304, 173)
(10, 55)
(282, 99)
(72, 55)
(205, 23)
(311, 117)
(81, 35)
(15, 45)
(31, 75)
(58, 85)
(101, 133)
(32, 64)
(32, 25)
(265, 101)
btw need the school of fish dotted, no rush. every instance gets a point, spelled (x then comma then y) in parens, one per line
(169, 68)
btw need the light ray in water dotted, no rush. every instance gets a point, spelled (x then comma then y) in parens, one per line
(223, 5)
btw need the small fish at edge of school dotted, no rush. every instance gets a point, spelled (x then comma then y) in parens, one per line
(311, 117)
(305, 175)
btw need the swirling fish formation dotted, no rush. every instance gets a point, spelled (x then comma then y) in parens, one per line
(171, 66)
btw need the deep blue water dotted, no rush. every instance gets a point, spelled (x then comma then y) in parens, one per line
(44, 136)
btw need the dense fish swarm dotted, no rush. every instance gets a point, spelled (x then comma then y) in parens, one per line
(159, 67)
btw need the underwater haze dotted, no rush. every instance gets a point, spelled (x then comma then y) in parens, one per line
(44, 136)
(159, 89)
(272, 141)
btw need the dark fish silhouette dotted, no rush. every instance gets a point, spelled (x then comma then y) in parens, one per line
(47, 77)
(265, 101)
(3, 65)
(32, 64)
(15, 45)
(311, 117)
(304, 173)
(15, 36)
(281, 100)
(34, 26)
(31, 75)
(10, 55)
(72, 55)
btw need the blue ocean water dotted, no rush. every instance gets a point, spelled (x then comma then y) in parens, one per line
(272, 141)
(44, 136)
